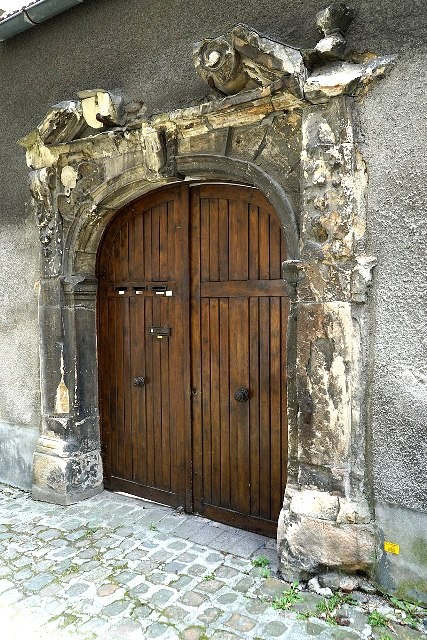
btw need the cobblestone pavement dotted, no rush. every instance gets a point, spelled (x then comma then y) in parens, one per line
(114, 567)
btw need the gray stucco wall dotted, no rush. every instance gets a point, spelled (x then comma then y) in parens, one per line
(143, 49)
(395, 149)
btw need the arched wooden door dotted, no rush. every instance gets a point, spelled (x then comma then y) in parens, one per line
(192, 315)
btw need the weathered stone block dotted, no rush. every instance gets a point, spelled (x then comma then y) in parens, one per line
(308, 545)
(65, 480)
(324, 384)
(354, 511)
(213, 142)
(316, 504)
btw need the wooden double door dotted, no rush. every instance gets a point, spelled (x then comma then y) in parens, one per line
(192, 315)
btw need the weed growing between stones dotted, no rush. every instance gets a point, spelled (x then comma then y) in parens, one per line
(377, 619)
(288, 598)
(209, 576)
(265, 572)
(263, 564)
(65, 619)
(73, 568)
(260, 561)
(408, 612)
(328, 607)
(152, 527)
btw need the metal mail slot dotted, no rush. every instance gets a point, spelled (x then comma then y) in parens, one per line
(160, 332)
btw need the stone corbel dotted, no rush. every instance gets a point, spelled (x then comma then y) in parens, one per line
(361, 278)
(101, 108)
(293, 274)
(243, 59)
(333, 23)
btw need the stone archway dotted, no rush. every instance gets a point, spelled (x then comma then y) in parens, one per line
(286, 128)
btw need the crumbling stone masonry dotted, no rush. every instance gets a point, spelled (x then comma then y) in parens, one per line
(282, 120)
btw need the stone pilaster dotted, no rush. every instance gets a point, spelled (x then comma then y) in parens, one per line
(67, 462)
(326, 521)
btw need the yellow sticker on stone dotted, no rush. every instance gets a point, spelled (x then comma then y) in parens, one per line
(391, 547)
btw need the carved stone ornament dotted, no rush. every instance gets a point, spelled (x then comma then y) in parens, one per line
(41, 183)
(243, 59)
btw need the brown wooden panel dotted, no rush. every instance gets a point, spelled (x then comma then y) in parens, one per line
(264, 412)
(242, 288)
(275, 407)
(224, 392)
(254, 406)
(237, 313)
(238, 240)
(206, 401)
(223, 239)
(145, 243)
(253, 242)
(196, 372)
(139, 396)
(215, 400)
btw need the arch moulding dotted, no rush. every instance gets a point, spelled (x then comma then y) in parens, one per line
(283, 125)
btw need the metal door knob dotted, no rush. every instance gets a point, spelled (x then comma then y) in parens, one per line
(241, 395)
(139, 382)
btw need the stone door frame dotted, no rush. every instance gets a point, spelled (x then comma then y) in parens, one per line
(293, 139)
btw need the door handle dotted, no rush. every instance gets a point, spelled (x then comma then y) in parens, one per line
(242, 395)
(139, 382)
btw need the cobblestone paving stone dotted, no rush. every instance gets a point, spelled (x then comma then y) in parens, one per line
(117, 568)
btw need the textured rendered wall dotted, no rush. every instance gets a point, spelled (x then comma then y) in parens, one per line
(395, 149)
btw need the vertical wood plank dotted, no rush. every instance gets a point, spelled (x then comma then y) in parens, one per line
(204, 240)
(224, 391)
(275, 406)
(139, 438)
(155, 243)
(243, 438)
(196, 373)
(147, 245)
(156, 391)
(138, 249)
(149, 364)
(223, 252)
(274, 250)
(254, 406)
(126, 445)
(163, 242)
(253, 242)
(264, 393)
(238, 240)
(213, 240)
(119, 356)
(264, 245)
(206, 401)
(284, 412)
(215, 418)
(164, 397)
(239, 411)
